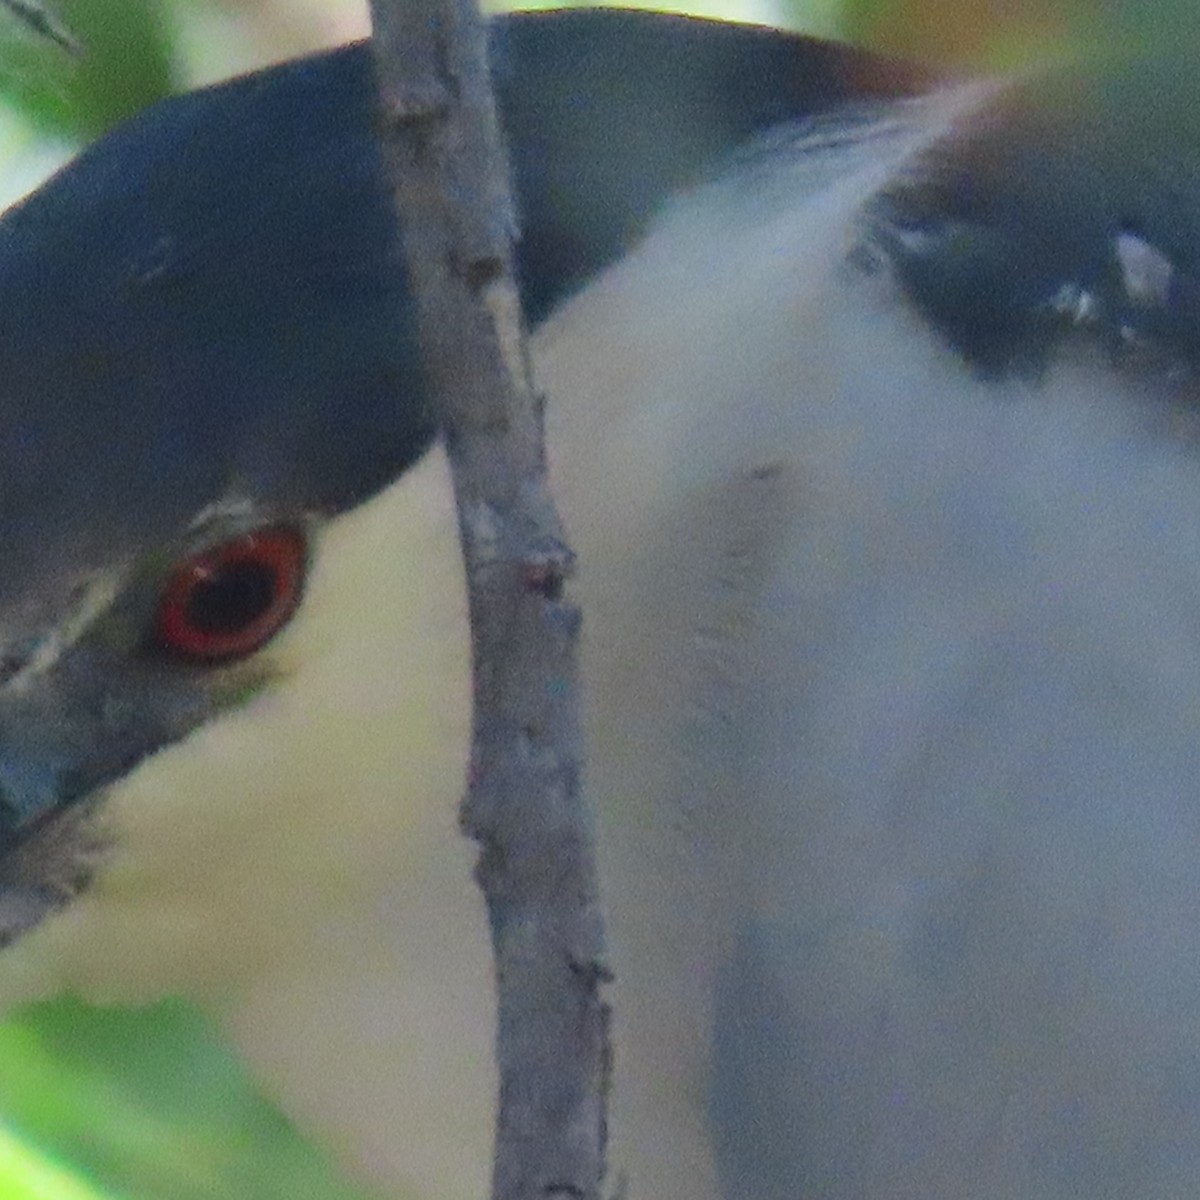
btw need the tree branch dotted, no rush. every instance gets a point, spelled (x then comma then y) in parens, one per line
(524, 804)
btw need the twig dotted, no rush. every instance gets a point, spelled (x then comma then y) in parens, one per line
(524, 804)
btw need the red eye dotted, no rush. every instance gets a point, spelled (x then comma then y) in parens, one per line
(228, 601)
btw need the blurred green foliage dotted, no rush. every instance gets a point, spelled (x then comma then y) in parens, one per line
(1002, 34)
(123, 64)
(143, 1104)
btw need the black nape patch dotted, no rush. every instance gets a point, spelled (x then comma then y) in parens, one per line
(1066, 205)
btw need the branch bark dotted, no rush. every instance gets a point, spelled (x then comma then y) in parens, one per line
(524, 803)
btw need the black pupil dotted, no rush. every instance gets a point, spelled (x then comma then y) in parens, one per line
(231, 598)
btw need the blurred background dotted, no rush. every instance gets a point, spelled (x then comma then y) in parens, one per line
(124, 1105)
(130, 52)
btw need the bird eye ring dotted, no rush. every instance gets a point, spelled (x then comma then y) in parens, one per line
(230, 599)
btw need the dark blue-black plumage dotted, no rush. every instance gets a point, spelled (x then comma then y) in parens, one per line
(209, 304)
(207, 301)
(208, 308)
(1006, 234)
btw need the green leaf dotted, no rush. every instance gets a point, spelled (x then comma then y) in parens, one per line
(27, 1174)
(123, 64)
(142, 1104)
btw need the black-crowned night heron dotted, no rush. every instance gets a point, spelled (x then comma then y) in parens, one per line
(872, 412)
